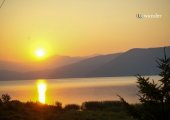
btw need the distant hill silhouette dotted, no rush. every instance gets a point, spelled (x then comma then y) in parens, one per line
(133, 62)
(9, 75)
(83, 68)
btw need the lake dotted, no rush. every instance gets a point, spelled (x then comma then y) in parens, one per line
(74, 90)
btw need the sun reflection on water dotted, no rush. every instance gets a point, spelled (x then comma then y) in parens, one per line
(42, 86)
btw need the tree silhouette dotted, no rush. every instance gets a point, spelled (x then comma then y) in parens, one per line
(5, 98)
(58, 105)
(154, 97)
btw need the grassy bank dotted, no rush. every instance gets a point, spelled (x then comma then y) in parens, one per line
(106, 110)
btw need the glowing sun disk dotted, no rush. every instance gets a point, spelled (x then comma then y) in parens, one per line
(40, 52)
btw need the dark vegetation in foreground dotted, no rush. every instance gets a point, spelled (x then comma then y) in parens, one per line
(16, 110)
(154, 96)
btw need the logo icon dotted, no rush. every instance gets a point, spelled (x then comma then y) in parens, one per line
(148, 16)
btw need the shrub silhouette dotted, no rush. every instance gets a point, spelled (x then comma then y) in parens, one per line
(72, 107)
(16, 110)
(93, 105)
(5, 98)
(115, 106)
(154, 97)
(58, 105)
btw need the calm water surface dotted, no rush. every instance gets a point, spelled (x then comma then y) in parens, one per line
(75, 90)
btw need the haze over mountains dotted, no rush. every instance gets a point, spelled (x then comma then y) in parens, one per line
(132, 62)
(50, 63)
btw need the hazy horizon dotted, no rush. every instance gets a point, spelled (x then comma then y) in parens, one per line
(84, 57)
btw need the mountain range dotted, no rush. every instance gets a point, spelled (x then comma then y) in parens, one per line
(132, 62)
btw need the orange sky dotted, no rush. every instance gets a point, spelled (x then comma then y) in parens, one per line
(80, 27)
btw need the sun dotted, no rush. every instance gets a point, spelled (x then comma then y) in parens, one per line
(41, 91)
(40, 53)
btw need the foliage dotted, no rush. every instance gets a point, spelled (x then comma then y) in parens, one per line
(103, 106)
(5, 98)
(72, 107)
(16, 110)
(58, 105)
(154, 97)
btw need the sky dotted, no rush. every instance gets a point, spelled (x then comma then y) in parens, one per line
(80, 27)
